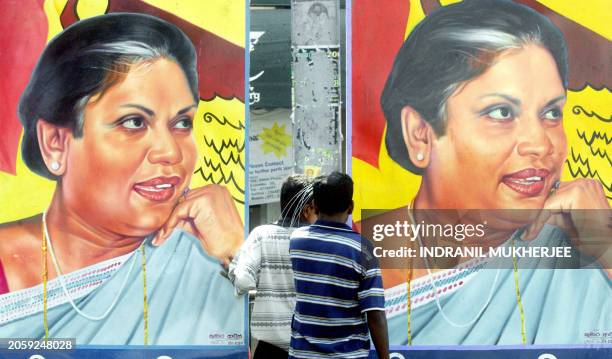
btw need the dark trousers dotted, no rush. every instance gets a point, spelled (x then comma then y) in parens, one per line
(268, 351)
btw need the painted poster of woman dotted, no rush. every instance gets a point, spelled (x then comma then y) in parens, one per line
(486, 105)
(125, 197)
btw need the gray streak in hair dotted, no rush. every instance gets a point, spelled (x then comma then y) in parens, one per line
(129, 52)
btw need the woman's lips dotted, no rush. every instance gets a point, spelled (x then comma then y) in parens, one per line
(530, 181)
(158, 189)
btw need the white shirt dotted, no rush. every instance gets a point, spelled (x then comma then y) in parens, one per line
(263, 263)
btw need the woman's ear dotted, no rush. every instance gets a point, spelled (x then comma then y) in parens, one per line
(53, 142)
(418, 136)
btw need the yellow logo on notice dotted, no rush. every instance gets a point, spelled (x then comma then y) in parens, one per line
(275, 140)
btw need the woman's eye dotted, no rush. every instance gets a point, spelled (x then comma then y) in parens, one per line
(500, 113)
(184, 124)
(554, 114)
(133, 123)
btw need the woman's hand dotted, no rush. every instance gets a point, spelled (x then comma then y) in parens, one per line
(209, 213)
(581, 209)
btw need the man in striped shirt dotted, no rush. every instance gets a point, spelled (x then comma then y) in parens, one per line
(337, 281)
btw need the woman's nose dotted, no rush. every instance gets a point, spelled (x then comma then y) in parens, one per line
(164, 148)
(534, 140)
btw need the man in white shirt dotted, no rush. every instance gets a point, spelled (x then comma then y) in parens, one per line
(263, 263)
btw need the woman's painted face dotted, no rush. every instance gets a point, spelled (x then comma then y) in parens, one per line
(504, 145)
(137, 152)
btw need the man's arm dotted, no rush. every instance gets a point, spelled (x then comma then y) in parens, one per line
(244, 268)
(377, 323)
(372, 300)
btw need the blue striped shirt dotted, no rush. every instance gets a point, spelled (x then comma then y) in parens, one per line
(337, 279)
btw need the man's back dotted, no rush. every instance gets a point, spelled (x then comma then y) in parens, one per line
(263, 263)
(336, 280)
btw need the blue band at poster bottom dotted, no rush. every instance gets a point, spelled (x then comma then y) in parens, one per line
(397, 352)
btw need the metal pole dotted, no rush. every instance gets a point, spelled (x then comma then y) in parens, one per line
(316, 98)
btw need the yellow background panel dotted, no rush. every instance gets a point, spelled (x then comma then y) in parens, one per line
(89, 8)
(225, 18)
(53, 9)
(25, 194)
(594, 14)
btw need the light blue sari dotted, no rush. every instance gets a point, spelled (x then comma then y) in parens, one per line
(189, 303)
(562, 306)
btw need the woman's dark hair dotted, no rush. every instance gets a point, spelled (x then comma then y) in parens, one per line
(85, 60)
(333, 194)
(452, 45)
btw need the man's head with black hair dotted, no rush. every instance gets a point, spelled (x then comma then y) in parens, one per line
(333, 194)
(296, 193)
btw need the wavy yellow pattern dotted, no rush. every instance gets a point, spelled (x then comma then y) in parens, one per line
(219, 130)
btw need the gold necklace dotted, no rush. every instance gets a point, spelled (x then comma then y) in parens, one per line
(516, 286)
(408, 280)
(45, 276)
(518, 293)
